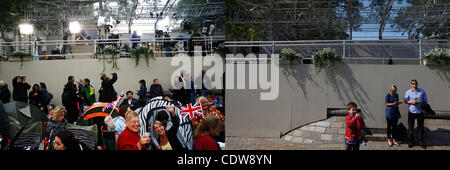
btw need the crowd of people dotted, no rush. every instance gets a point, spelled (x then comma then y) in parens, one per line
(78, 96)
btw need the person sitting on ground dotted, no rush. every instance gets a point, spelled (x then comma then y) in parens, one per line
(118, 123)
(132, 102)
(129, 139)
(203, 135)
(57, 122)
(355, 125)
(65, 140)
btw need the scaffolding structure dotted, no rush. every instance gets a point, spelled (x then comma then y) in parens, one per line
(278, 14)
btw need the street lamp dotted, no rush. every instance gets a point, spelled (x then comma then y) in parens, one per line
(74, 27)
(26, 29)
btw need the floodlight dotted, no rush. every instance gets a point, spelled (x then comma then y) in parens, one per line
(26, 29)
(74, 27)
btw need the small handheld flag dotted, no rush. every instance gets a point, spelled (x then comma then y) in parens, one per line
(191, 110)
(113, 104)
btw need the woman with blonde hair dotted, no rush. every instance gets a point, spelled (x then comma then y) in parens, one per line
(208, 127)
(168, 140)
(57, 121)
(129, 139)
(392, 115)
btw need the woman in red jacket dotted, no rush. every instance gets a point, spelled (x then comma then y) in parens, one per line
(355, 124)
(129, 139)
(208, 127)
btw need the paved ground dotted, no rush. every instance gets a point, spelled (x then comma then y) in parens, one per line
(248, 143)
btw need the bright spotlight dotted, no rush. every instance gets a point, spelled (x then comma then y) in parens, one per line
(74, 27)
(26, 29)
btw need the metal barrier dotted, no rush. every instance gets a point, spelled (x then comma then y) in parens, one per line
(348, 49)
(90, 47)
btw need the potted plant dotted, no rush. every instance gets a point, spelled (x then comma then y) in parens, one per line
(326, 59)
(4, 58)
(222, 50)
(142, 50)
(290, 57)
(109, 51)
(21, 55)
(438, 59)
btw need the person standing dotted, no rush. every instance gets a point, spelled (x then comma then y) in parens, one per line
(415, 97)
(167, 44)
(35, 96)
(203, 83)
(392, 115)
(5, 94)
(135, 38)
(46, 96)
(69, 100)
(108, 93)
(190, 88)
(355, 124)
(142, 92)
(20, 88)
(88, 93)
(156, 89)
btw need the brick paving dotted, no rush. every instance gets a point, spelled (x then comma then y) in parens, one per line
(250, 143)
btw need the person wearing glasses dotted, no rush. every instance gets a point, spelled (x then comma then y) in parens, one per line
(415, 97)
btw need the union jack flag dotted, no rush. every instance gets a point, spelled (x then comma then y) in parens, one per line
(113, 104)
(191, 110)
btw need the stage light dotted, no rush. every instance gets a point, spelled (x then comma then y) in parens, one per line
(74, 27)
(26, 29)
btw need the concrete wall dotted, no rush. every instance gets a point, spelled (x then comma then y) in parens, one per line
(304, 97)
(55, 73)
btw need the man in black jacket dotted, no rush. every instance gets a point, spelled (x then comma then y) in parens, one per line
(132, 102)
(20, 89)
(69, 100)
(108, 93)
(5, 94)
(156, 89)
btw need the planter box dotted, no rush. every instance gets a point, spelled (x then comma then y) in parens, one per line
(286, 62)
(17, 59)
